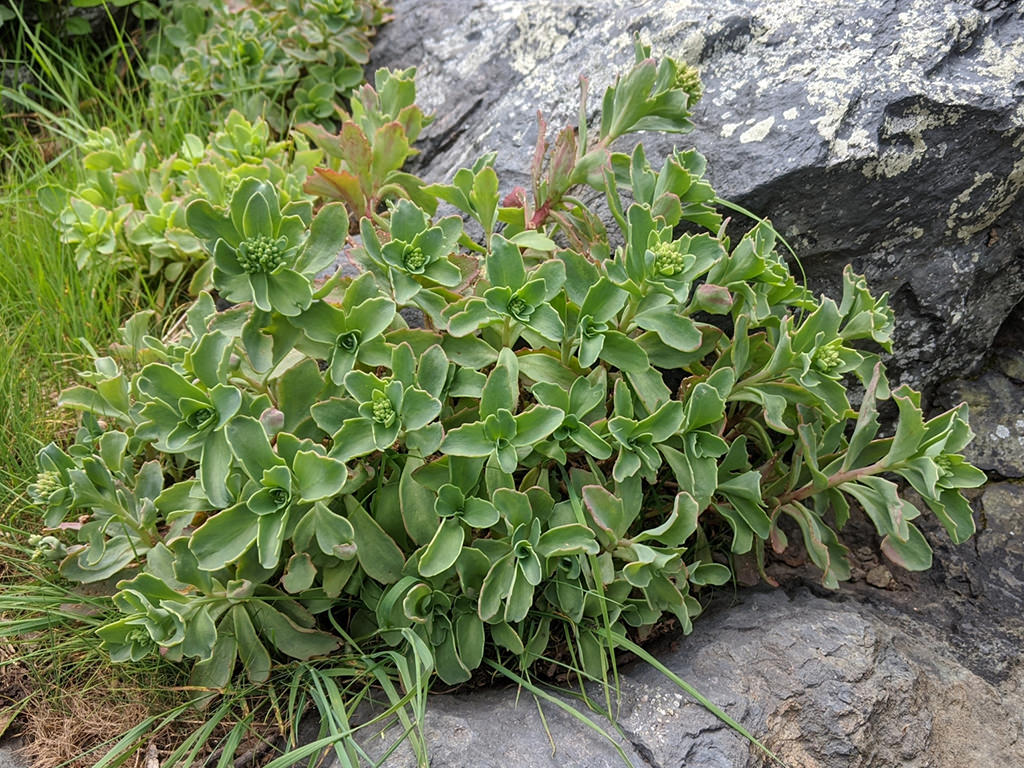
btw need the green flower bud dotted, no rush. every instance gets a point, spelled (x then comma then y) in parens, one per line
(139, 636)
(414, 259)
(47, 548)
(46, 484)
(260, 254)
(668, 259)
(382, 409)
(827, 358)
(688, 79)
(944, 465)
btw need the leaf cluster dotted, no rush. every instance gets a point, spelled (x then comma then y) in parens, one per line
(128, 209)
(286, 61)
(475, 447)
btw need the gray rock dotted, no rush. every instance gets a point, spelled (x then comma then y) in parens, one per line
(11, 755)
(997, 417)
(1000, 547)
(823, 684)
(885, 133)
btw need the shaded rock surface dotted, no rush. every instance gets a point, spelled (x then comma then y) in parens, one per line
(996, 400)
(889, 134)
(997, 418)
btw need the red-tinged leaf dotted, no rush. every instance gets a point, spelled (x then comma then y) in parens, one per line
(390, 151)
(914, 554)
(606, 511)
(322, 138)
(337, 185)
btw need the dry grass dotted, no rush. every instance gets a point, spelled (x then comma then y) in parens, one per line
(65, 733)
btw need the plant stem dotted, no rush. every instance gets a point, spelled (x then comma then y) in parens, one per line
(837, 479)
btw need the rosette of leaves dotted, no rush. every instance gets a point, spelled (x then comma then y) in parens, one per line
(516, 300)
(592, 428)
(366, 156)
(501, 435)
(416, 257)
(280, 486)
(351, 331)
(377, 411)
(130, 205)
(265, 254)
(186, 409)
(100, 477)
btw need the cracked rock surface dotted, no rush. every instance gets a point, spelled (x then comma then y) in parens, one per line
(884, 133)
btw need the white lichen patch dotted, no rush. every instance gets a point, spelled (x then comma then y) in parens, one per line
(988, 196)
(911, 125)
(1002, 62)
(541, 36)
(858, 144)
(758, 130)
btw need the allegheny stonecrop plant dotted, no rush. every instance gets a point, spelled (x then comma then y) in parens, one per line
(571, 443)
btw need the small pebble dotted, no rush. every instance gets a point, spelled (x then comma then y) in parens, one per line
(879, 576)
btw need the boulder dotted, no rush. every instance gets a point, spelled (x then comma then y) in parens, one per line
(884, 133)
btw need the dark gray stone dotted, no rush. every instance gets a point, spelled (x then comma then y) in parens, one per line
(886, 133)
(997, 417)
(1001, 546)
